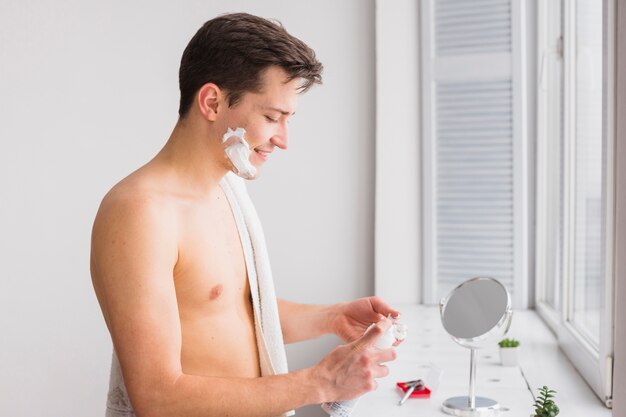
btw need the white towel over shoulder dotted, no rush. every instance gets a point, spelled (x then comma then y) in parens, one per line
(269, 334)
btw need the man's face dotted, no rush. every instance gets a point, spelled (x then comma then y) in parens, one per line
(265, 115)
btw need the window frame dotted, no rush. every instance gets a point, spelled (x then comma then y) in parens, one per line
(594, 364)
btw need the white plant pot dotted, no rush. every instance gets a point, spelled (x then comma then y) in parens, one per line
(509, 356)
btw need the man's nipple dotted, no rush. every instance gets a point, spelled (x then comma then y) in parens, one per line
(216, 291)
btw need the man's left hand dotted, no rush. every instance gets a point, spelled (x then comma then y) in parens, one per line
(352, 319)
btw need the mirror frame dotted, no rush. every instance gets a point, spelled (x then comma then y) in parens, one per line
(499, 329)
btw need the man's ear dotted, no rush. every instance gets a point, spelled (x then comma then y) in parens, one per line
(210, 100)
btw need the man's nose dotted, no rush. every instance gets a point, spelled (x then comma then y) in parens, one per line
(281, 140)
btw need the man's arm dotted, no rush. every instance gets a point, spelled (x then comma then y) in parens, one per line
(347, 320)
(305, 321)
(134, 252)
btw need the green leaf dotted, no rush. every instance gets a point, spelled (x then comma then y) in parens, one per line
(544, 404)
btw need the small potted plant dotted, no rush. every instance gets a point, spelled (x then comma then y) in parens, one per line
(508, 352)
(544, 405)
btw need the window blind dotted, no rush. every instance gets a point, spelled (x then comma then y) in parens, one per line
(473, 164)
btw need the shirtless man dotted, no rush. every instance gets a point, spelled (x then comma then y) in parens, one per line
(167, 263)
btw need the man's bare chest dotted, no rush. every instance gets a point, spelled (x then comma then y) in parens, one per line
(211, 270)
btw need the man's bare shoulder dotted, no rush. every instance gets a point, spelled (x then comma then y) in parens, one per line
(135, 209)
(141, 193)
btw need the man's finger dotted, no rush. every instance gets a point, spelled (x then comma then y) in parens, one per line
(382, 308)
(371, 336)
(380, 371)
(385, 355)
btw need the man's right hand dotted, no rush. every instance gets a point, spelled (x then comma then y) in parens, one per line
(350, 371)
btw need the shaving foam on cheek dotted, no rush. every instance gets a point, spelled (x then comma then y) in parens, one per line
(238, 152)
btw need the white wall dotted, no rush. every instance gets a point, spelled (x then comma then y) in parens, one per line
(88, 92)
(398, 152)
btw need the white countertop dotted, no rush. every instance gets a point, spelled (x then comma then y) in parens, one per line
(541, 363)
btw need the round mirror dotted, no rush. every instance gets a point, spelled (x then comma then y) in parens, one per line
(476, 313)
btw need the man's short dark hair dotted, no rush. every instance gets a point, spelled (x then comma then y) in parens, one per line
(233, 50)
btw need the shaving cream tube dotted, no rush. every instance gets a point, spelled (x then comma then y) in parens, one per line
(396, 332)
(238, 152)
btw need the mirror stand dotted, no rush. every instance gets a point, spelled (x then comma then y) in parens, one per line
(471, 406)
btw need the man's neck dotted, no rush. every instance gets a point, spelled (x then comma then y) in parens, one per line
(194, 158)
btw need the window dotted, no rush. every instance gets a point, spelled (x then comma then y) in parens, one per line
(575, 180)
